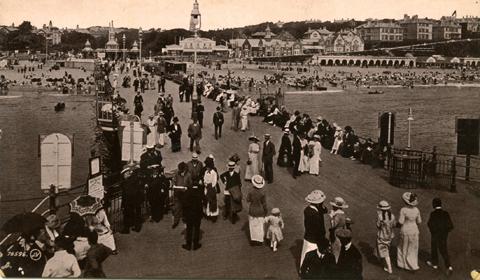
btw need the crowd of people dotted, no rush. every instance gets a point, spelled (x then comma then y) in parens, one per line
(55, 250)
(196, 190)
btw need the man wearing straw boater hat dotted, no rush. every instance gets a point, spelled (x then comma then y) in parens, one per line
(267, 158)
(314, 222)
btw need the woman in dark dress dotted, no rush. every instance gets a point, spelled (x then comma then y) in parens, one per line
(285, 150)
(176, 135)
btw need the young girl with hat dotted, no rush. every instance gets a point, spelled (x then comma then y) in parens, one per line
(385, 225)
(275, 226)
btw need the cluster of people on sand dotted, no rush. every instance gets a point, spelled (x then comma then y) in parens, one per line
(332, 255)
(75, 249)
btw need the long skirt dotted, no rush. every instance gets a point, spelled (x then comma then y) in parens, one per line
(407, 251)
(176, 144)
(257, 228)
(160, 139)
(307, 247)
(303, 166)
(107, 240)
(151, 137)
(314, 164)
(252, 168)
(244, 122)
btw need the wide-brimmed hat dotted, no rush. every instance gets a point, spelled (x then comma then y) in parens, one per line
(319, 118)
(275, 211)
(52, 221)
(258, 181)
(475, 275)
(384, 205)
(231, 164)
(286, 131)
(315, 197)
(253, 138)
(149, 146)
(410, 198)
(194, 156)
(339, 202)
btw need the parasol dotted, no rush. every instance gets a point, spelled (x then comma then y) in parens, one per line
(24, 223)
(85, 205)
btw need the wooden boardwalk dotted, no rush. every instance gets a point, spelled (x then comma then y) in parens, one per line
(156, 251)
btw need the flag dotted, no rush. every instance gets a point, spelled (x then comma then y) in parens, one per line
(454, 14)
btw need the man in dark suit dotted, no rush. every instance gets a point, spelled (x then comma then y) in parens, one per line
(440, 225)
(267, 158)
(200, 109)
(296, 154)
(218, 122)
(195, 168)
(181, 182)
(192, 214)
(349, 265)
(195, 134)
(132, 198)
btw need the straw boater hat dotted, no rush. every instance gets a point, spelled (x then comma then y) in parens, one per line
(316, 136)
(258, 181)
(231, 164)
(339, 203)
(475, 275)
(286, 131)
(319, 118)
(253, 138)
(315, 197)
(194, 156)
(52, 221)
(275, 211)
(384, 205)
(267, 135)
(410, 198)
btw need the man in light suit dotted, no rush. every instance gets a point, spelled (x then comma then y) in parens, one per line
(267, 158)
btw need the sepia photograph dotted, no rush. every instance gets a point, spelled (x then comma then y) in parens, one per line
(222, 139)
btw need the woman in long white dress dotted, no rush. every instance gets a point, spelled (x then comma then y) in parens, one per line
(338, 136)
(303, 166)
(152, 136)
(244, 118)
(210, 180)
(409, 218)
(252, 163)
(314, 161)
(99, 222)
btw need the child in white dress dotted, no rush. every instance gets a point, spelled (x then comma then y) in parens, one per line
(275, 226)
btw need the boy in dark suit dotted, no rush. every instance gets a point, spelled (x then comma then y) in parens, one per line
(440, 225)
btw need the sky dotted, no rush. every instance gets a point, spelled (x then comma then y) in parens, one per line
(217, 14)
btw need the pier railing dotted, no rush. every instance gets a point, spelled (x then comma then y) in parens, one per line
(413, 168)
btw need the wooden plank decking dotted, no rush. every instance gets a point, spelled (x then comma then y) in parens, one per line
(156, 251)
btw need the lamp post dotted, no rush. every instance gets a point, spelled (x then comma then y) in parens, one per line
(124, 50)
(195, 25)
(46, 48)
(140, 33)
(409, 119)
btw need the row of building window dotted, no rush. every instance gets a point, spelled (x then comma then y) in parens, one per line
(391, 38)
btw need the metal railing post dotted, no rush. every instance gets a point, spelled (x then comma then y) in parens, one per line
(467, 168)
(453, 185)
(53, 192)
